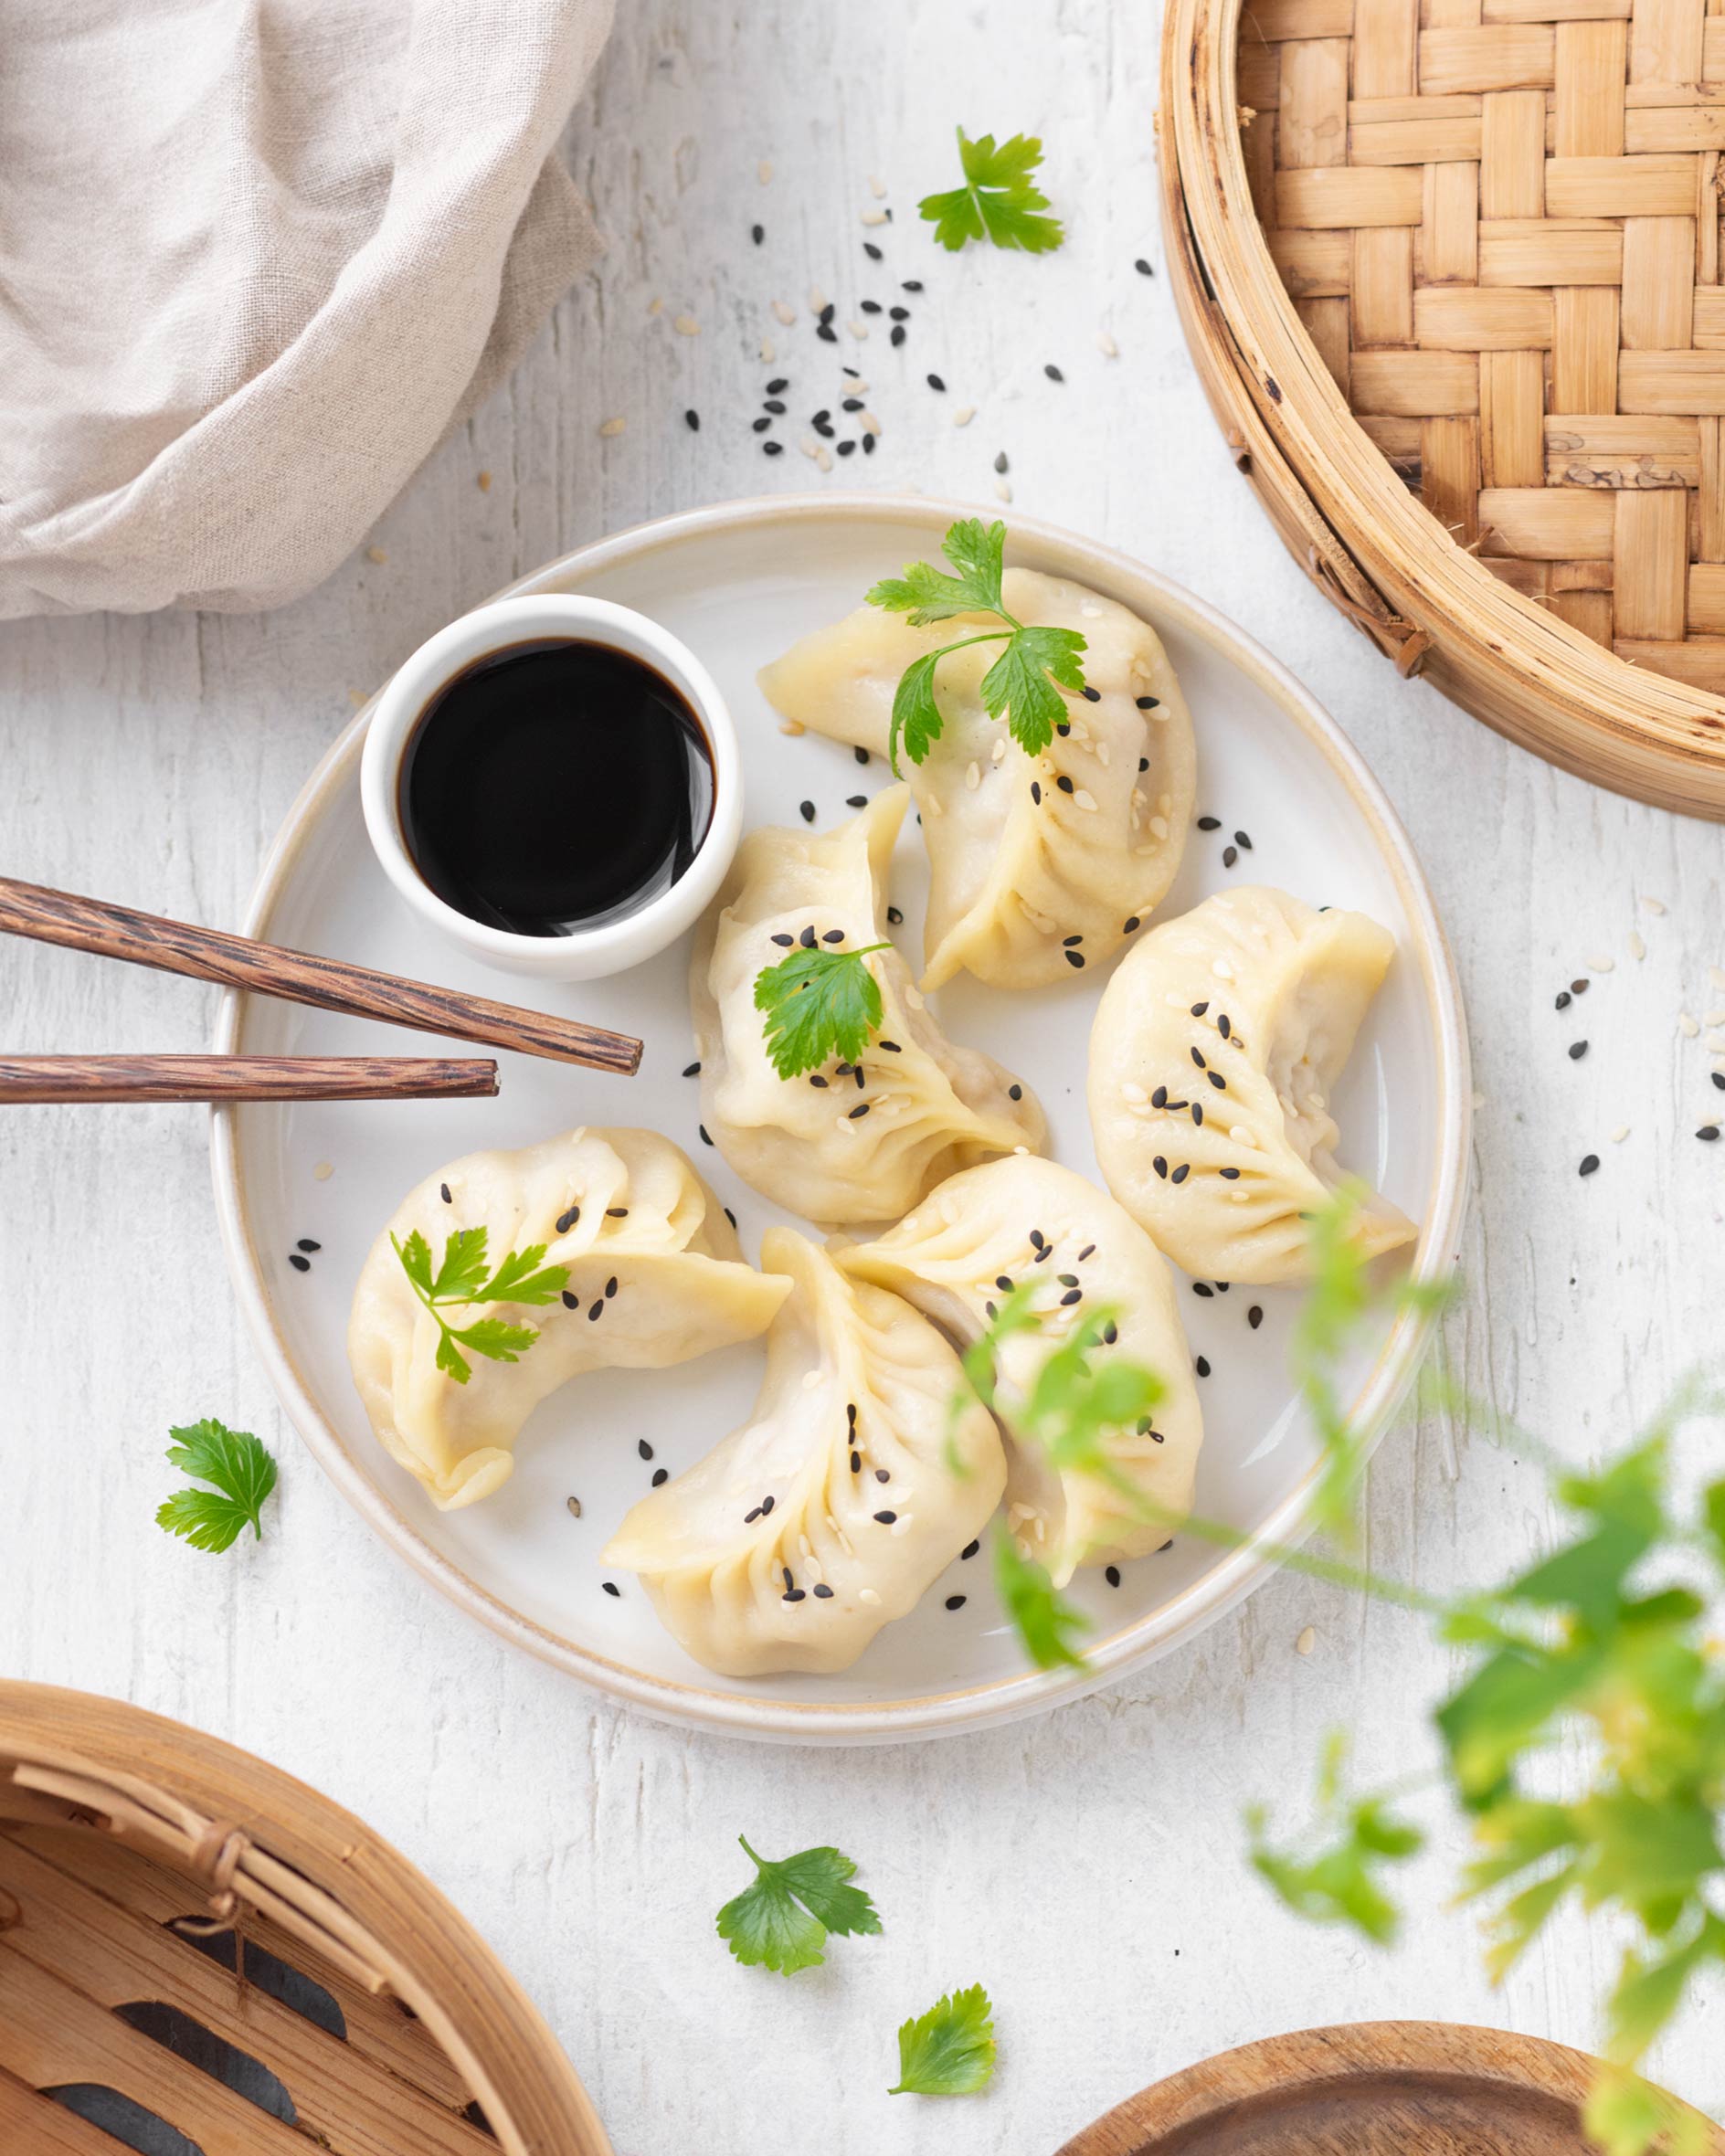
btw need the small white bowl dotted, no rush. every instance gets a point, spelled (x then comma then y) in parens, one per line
(586, 953)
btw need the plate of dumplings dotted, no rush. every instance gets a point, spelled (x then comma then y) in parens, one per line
(1148, 996)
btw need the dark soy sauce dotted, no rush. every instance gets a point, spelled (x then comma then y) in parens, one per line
(556, 785)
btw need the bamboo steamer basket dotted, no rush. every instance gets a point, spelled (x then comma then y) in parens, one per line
(1450, 270)
(201, 1957)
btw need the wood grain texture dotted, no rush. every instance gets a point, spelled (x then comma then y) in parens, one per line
(90, 1080)
(1087, 1866)
(92, 926)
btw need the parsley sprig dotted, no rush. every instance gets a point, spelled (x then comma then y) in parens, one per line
(998, 200)
(465, 1276)
(818, 1004)
(243, 1475)
(1018, 686)
(949, 2050)
(781, 1921)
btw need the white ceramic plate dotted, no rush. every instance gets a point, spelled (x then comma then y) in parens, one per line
(739, 583)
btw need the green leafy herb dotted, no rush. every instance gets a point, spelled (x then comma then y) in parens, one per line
(465, 1277)
(243, 1475)
(998, 201)
(1021, 685)
(1044, 1620)
(783, 1919)
(1338, 1884)
(949, 2050)
(818, 1004)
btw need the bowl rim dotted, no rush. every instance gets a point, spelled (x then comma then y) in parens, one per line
(1237, 1572)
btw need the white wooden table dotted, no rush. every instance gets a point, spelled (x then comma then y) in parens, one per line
(1088, 1866)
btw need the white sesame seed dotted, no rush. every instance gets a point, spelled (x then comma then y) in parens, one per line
(1133, 1091)
(902, 1525)
(1479, 1100)
(877, 186)
(1222, 969)
(764, 171)
(1091, 611)
(769, 351)
(1239, 1195)
(964, 415)
(1106, 346)
(1620, 1134)
(1716, 976)
(868, 1595)
(1243, 1137)
(874, 216)
(1602, 964)
(1307, 1641)
(613, 425)
(1653, 906)
(1102, 754)
(1713, 1018)
(1004, 492)
(686, 325)
(323, 1171)
(816, 299)
(823, 458)
(377, 553)
(870, 424)
(1638, 949)
(973, 777)
(999, 750)
(1687, 1026)
(850, 389)
(1084, 798)
(786, 312)
(792, 726)
(859, 330)
(809, 445)
(1158, 827)
(1716, 1045)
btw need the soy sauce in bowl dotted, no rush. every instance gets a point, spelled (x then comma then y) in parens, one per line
(555, 786)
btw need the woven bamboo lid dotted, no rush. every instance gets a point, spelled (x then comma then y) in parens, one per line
(200, 1955)
(1450, 271)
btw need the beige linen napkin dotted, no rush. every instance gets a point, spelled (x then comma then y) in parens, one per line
(256, 256)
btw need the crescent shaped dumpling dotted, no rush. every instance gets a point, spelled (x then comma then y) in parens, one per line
(962, 1252)
(655, 1276)
(1213, 1054)
(849, 1490)
(824, 1145)
(1039, 866)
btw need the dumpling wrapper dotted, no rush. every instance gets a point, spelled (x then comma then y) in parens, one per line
(949, 1258)
(645, 1219)
(929, 1105)
(1270, 994)
(1014, 876)
(852, 1373)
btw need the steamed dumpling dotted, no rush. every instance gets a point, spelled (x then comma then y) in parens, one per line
(956, 1257)
(1212, 1061)
(851, 1487)
(824, 1145)
(656, 1276)
(1041, 866)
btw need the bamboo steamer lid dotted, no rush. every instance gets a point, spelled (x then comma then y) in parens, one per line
(1451, 274)
(200, 1955)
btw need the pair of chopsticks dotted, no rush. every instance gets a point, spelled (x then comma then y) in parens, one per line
(296, 977)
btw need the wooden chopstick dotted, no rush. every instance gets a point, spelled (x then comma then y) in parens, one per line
(96, 1078)
(300, 976)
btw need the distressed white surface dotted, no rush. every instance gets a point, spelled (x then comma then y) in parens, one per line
(1087, 1867)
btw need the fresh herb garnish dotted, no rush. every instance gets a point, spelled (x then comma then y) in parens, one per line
(998, 200)
(1019, 685)
(1338, 1883)
(949, 2050)
(781, 1921)
(818, 1004)
(243, 1475)
(1044, 1620)
(462, 1278)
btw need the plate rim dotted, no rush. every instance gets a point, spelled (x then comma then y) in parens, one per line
(1238, 1571)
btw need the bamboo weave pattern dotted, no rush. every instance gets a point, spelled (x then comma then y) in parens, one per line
(1499, 223)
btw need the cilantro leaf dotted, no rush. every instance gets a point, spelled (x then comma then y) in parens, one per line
(462, 1278)
(977, 550)
(916, 715)
(416, 1259)
(781, 1921)
(464, 1264)
(818, 1004)
(998, 200)
(497, 1340)
(519, 1280)
(1018, 686)
(949, 2050)
(1040, 1615)
(1339, 1884)
(243, 1475)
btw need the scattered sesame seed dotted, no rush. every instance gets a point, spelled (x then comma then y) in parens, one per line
(705, 1139)
(969, 1549)
(1210, 823)
(611, 1587)
(899, 333)
(1106, 346)
(1229, 856)
(935, 381)
(1254, 1316)
(1578, 1048)
(806, 809)
(613, 425)
(1202, 1366)
(1708, 1133)
(1562, 999)
(772, 449)
(1590, 1161)
(885, 1518)
(299, 1264)
(1143, 268)
(1638, 949)
(1111, 1573)
(1307, 1641)
(570, 1301)
(1620, 1134)
(857, 1113)
(1053, 373)
(1687, 1025)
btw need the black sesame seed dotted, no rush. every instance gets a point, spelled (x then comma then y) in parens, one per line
(1148, 702)
(1218, 1081)
(885, 1518)
(706, 1136)
(757, 233)
(871, 306)
(593, 1309)
(874, 254)
(956, 1601)
(730, 1216)
(691, 420)
(1198, 1057)
(644, 1449)
(855, 800)
(299, 1264)
(789, 1577)
(861, 1078)
(806, 809)
(1001, 464)
(1718, 1080)
(1004, 1283)
(611, 1587)
(1254, 1316)
(935, 381)
(1068, 941)
(1063, 728)
(1182, 1172)
(1589, 1163)
(1161, 1165)
(1071, 1296)
(858, 1112)
(1158, 1099)
(1076, 958)
(861, 754)
(661, 1474)
(1037, 1239)
(571, 1302)
(794, 1594)
(1132, 924)
(1067, 1279)
(1111, 1573)
(1198, 1106)
(828, 310)
(898, 333)
(1210, 823)
(1089, 1250)
(443, 1191)
(1578, 1048)
(819, 1083)
(856, 1463)
(823, 1593)
(1223, 1025)
(889, 1047)
(1708, 1133)
(778, 383)
(1110, 1334)
(850, 1414)
(1579, 986)
(1063, 783)
(1202, 1366)
(806, 939)
(1036, 792)
(1563, 999)
(776, 406)
(894, 917)
(1229, 1175)
(784, 941)
(691, 1070)
(750, 1518)
(1202, 1288)
(868, 445)
(772, 449)
(1143, 268)
(1241, 842)
(969, 1549)
(760, 427)
(911, 284)
(833, 936)
(1229, 856)
(1053, 373)
(1091, 695)
(617, 1213)
(306, 1243)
